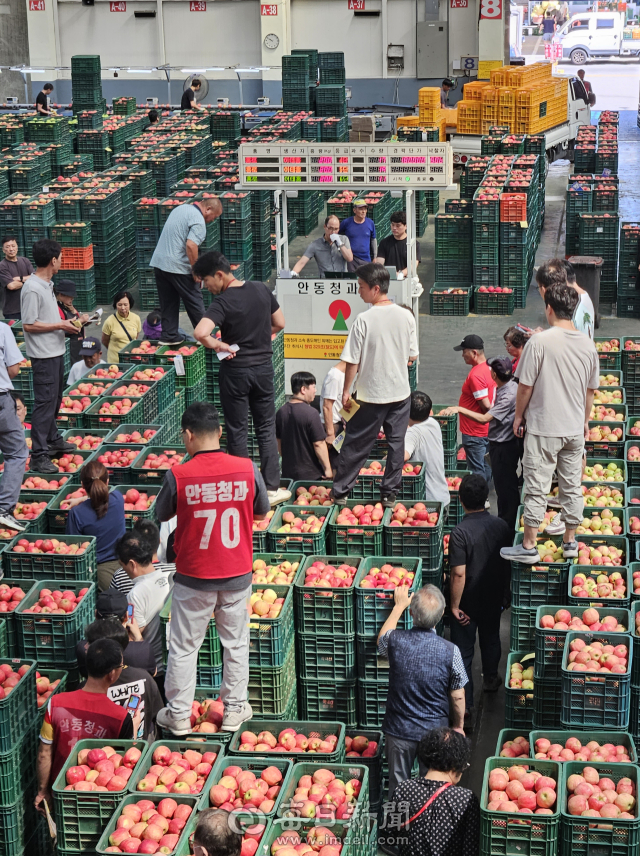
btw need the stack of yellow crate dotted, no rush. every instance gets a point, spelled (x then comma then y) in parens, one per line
(542, 106)
(507, 107)
(429, 105)
(469, 117)
(489, 108)
(473, 91)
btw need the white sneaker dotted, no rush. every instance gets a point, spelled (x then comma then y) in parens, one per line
(233, 719)
(556, 527)
(9, 522)
(278, 496)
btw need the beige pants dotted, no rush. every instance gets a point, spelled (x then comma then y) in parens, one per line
(543, 455)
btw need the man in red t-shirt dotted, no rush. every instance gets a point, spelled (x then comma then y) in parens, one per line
(478, 394)
(84, 714)
(216, 498)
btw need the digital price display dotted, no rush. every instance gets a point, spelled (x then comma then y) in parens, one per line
(391, 164)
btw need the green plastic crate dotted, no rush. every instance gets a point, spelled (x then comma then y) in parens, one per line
(18, 765)
(522, 633)
(52, 640)
(325, 610)
(255, 765)
(311, 728)
(19, 707)
(102, 844)
(594, 572)
(622, 738)
(318, 701)
(615, 837)
(270, 687)
(326, 657)
(374, 606)
(94, 419)
(535, 585)
(9, 617)
(443, 301)
(367, 486)
(175, 745)
(346, 771)
(82, 816)
(423, 542)
(152, 477)
(210, 652)
(372, 702)
(487, 303)
(503, 833)
(270, 638)
(194, 365)
(365, 540)
(596, 704)
(371, 666)
(306, 542)
(59, 566)
(448, 426)
(129, 428)
(518, 706)
(131, 518)
(352, 840)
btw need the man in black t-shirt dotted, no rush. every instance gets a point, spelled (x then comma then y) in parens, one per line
(14, 270)
(248, 316)
(301, 437)
(42, 100)
(392, 251)
(188, 101)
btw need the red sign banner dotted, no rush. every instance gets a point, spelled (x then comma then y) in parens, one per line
(356, 5)
(491, 9)
(36, 5)
(459, 4)
(118, 6)
(198, 6)
(268, 9)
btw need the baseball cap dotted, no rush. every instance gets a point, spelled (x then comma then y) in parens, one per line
(111, 603)
(65, 286)
(471, 343)
(502, 366)
(90, 346)
(359, 203)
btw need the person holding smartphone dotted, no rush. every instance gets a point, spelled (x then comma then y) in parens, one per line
(14, 270)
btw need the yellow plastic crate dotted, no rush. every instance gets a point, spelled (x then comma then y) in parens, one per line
(429, 115)
(408, 122)
(429, 96)
(473, 91)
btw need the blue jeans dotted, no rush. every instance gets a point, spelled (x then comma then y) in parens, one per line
(476, 448)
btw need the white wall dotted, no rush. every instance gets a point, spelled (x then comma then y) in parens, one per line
(228, 33)
(119, 37)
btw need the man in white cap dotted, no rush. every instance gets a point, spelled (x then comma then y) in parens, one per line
(361, 232)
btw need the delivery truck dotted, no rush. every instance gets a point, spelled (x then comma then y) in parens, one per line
(596, 34)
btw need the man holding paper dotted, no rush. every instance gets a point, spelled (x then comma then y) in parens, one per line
(248, 315)
(381, 344)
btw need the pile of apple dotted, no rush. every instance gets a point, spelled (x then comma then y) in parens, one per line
(573, 750)
(603, 523)
(45, 688)
(316, 839)
(633, 453)
(602, 396)
(298, 525)
(636, 582)
(314, 495)
(86, 443)
(494, 289)
(602, 434)
(240, 788)
(289, 740)
(453, 482)
(360, 747)
(609, 473)
(600, 413)
(57, 602)
(185, 350)
(281, 574)
(592, 796)
(324, 796)
(132, 390)
(151, 373)
(261, 525)
(96, 769)
(629, 345)
(135, 500)
(590, 620)
(599, 496)
(28, 510)
(387, 577)
(445, 543)
(74, 405)
(519, 789)
(68, 463)
(608, 380)
(611, 346)
(50, 545)
(265, 603)
(10, 679)
(360, 515)
(10, 597)
(167, 459)
(118, 457)
(136, 437)
(416, 515)
(112, 372)
(90, 388)
(597, 657)
(323, 575)
(148, 827)
(119, 407)
(515, 748)
(521, 678)
(603, 554)
(39, 483)
(80, 493)
(448, 291)
(7, 534)
(175, 772)
(603, 586)
(206, 715)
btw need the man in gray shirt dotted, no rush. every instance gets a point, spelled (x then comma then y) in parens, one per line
(175, 253)
(504, 447)
(12, 443)
(331, 252)
(44, 337)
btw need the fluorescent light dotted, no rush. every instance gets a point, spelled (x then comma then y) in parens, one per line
(193, 70)
(27, 70)
(263, 68)
(245, 70)
(141, 70)
(216, 68)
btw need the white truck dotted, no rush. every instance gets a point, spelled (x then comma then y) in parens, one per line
(559, 140)
(595, 34)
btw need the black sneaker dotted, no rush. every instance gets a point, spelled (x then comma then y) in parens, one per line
(469, 719)
(43, 464)
(339, 500)
(62, 446)
(492, 685)
(388, 501)
(169, 340)
(8, 520)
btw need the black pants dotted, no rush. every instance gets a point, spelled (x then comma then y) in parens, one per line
(356, 263)
(464, 636)
(361, 434)
(173, 287)
(251, 389)
(504, 465)
(48, 384)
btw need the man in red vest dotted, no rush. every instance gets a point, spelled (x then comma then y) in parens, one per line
(216, 497)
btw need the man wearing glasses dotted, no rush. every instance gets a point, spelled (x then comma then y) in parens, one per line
(86, 713)
(361, 232)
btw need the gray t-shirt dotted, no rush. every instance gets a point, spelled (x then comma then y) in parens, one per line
(327, 255)
(38, 303)
(9, 355)
(423, 442)
(560, 365)
(503, 412)
(185, 223)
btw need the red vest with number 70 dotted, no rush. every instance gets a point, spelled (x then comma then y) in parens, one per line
(214, 538)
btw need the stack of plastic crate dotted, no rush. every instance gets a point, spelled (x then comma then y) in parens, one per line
(107, 234)
(330, 95)
(628, 277)
(304, 210)
(147, 234)
(124, 106)
(579, 201)
(454, 248)
(86, 84)
(486, 217)
(225, 124)
(235, 225)
(599, 235)
(261, 204)
(77, 261)
(606, 160)
(297, 77)
(11, 218)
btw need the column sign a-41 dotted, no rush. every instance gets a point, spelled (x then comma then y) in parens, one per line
(36, 5)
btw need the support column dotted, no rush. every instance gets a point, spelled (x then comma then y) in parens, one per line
(42, 44)
(278, 25)
(491, 41)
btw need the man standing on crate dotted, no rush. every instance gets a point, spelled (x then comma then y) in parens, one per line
(216, 498)
(332, 252)
(173, 257)
(248, 316)
(478, 393)
(44, 337)
(558, 374)
(361, 232)
(14, 270)
(12, 442)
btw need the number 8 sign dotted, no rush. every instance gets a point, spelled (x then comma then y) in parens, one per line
(491, 9)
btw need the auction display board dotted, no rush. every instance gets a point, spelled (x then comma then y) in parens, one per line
(342, 165)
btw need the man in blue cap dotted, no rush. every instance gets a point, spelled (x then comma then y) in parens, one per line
(90, 354)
